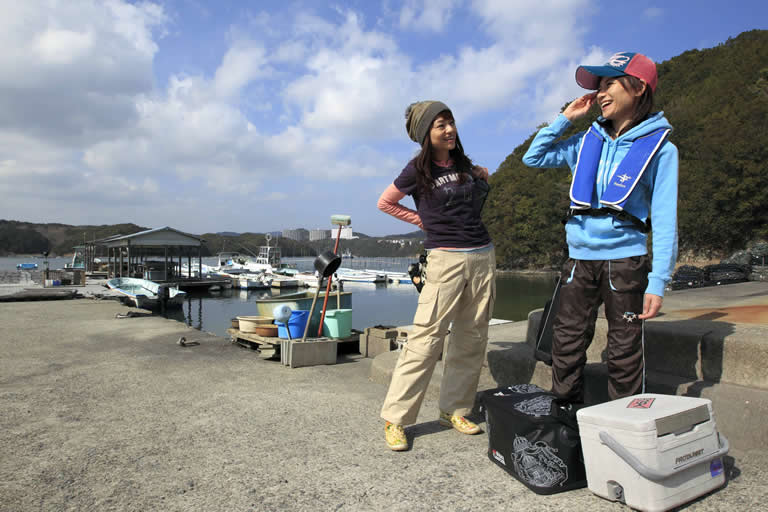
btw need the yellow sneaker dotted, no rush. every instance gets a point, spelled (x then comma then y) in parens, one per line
(395, 436)
(460, 423)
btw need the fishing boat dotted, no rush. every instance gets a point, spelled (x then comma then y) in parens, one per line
(230, 263)
(26, 266)
(359, 276)
(145, 294)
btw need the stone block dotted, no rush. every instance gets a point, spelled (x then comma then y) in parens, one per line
(308, 353)
(377, 340)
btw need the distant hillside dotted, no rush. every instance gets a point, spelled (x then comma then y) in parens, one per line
(413, 234)
(18, 237)
(28, 238)
(717, 102)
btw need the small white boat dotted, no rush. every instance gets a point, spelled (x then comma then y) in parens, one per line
(144, 294)
(393, 277)
(279, 281)
(194, 271)
(250, 281)
(26, 266)
(359, 276)
(308, 279)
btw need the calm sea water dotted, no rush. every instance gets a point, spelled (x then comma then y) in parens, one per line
(372, 304)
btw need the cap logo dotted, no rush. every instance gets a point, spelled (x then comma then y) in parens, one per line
(619, 60)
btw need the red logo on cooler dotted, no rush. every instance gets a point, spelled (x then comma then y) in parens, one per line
(641, 403)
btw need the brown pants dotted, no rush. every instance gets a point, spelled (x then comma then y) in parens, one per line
(620, 285)
(460, 288)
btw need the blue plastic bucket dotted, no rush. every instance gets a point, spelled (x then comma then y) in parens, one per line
(296, 325)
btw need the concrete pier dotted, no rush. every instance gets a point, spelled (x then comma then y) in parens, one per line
(108, 412)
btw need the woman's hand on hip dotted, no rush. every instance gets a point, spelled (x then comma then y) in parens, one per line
(480, 172)
(580, 106)
(651, 306)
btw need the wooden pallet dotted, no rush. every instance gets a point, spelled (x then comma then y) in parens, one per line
(269, 347)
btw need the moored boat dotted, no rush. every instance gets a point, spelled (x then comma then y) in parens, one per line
(393, 277)
(250, 281)
(146, 294)
(359, 276)
(26, 266)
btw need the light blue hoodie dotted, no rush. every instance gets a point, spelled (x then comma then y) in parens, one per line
(606, 237)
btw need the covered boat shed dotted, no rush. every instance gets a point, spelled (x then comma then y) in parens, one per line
(135, 255)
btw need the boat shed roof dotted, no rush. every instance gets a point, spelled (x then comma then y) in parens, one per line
(158, 237)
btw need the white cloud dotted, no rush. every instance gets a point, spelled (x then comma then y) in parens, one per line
(320, 98)
(69, 72)
(61, 47)
(426, 14)
(242, 64)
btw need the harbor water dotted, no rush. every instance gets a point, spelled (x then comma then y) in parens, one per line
(372, 304)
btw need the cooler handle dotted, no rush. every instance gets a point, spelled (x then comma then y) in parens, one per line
(654, 474)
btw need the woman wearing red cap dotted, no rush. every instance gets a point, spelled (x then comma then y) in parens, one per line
(449, 192)
(624, 173)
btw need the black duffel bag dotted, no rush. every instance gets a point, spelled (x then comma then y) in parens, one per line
(534, 437)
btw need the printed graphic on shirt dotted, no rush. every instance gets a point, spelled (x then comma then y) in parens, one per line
(450, 191)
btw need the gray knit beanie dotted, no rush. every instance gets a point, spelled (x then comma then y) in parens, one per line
(419, 117)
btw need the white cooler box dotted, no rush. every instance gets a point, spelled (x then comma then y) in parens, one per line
(652, 452)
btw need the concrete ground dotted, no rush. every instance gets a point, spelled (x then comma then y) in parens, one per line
(105, 413)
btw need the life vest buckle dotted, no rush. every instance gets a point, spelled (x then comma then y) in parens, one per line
(643, 227)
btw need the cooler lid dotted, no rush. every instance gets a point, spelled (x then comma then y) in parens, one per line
(648, 412)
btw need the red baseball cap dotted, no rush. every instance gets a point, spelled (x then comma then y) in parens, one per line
(622, 63)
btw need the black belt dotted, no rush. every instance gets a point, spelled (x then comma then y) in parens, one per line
(644, 227)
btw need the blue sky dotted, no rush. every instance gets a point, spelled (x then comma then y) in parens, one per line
(264, 115)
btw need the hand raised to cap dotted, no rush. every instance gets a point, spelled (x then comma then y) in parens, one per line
(580, 106)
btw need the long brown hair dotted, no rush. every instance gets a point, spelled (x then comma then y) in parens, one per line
(423, 161)
(644, 103)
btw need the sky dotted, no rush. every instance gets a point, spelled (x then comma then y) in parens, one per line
(257, 116)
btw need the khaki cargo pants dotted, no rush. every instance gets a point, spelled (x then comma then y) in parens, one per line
(460, 288)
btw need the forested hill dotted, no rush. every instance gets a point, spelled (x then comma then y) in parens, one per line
(717, 102)
(59, 239)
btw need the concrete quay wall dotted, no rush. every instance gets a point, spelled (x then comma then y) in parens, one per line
(693, 349)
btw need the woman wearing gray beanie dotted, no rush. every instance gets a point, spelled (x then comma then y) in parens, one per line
(449, 193)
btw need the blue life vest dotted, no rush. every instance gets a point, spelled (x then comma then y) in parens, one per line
(624, 179)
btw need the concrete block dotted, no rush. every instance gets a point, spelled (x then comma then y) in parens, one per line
(736, 355)
(371, 346)
(296, 354)
(376, 340)
(382, 331)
